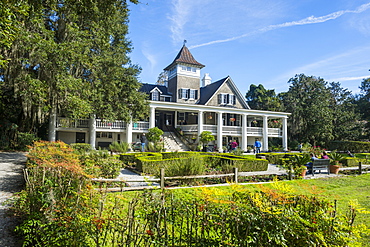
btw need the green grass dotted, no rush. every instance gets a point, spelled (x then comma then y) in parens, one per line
(342, 189)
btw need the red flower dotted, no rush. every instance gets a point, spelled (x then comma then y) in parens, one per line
(149, 232)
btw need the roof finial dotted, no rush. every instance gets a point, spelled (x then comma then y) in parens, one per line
(185, 42)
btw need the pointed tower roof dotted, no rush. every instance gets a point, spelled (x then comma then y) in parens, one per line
(184, 56)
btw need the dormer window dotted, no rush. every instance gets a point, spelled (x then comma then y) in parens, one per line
(155, 95)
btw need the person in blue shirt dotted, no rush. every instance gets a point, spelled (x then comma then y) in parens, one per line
(309, 164)
(257, 146)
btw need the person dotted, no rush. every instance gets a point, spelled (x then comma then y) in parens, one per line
(233, 144)
(350, 154)
(300, 145)
(143, 142)
(309, 164)
(257, 146)
(324, 155)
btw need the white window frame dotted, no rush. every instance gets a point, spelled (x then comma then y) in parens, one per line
(192, 94)
(155, 95)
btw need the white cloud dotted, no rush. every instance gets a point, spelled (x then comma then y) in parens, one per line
(305, 21)
(181, 10)
(353, 78)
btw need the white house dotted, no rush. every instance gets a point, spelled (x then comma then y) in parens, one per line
(187, 103)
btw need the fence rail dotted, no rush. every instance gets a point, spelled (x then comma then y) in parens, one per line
(162, 179)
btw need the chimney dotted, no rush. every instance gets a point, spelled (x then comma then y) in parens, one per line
(206, 80)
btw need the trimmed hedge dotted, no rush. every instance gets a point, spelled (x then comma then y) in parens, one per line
(353, 146)
(187, 163)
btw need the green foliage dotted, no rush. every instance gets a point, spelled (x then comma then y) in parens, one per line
(59, 207)
(98, 163)
(81, 147)
(205, 137)
(154, 134)
(308, 99)
(336, 157)
(363, 105)
(353, 146)
(68, 57)
(259, 98)
(121, 147)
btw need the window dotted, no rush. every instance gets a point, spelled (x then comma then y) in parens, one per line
(231, 99)
(185, 93)
(193, 94)
(155, 95)
(228, 99)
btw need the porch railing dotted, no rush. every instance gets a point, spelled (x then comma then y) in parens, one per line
(140, 125)
(101, 124)
(72, 123)
(233, 130)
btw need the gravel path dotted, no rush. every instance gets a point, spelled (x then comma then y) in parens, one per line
(11, 181)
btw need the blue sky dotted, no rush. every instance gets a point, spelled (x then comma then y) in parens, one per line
(256, 41)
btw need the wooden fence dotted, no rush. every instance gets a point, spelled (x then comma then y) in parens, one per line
(126, 187)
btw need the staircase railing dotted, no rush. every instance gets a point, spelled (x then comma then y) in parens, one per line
(184, 139)
(169, 131)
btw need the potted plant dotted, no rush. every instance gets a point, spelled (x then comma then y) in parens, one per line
(335, 162)
(299, 163)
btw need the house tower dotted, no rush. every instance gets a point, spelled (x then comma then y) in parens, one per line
(184, 77)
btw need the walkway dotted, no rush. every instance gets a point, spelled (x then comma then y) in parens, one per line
(11, 181)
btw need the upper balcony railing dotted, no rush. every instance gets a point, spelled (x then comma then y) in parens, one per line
(102, 124)
(233, 130)
(72, 123)
(140, 125)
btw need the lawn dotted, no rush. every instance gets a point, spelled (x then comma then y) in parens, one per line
(343, 189)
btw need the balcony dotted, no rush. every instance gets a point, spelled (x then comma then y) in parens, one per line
(101, 124)
(67, 123)
(140, 126)
(232, 130)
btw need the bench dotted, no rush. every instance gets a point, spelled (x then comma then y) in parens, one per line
(320, 165)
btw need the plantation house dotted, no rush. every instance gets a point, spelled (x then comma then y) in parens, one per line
(186, 105)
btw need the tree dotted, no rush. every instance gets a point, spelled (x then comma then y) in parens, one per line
(308, 99)
(205, 137)
(72, 58)
(154, 134)
(346, 122)
(162, 78)
(363, 105)
(259, 98)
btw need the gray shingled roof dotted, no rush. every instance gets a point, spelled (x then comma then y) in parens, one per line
(146, 88)
(184, 56)
(208, 91)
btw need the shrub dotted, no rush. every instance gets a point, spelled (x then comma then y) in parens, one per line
(24, 140)
(81, 147)
(353, 146)
(122, 147)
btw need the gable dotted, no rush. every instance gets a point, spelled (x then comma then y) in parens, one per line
(223, 93)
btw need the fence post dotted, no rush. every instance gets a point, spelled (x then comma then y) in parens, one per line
(290, 172)
(360, 168)
(235, 175)
(162, 178)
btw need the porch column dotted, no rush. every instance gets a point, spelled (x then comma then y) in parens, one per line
(285, 133)
(52, 127)
(219, 131)
(265, 145)
(244, 133)
(175, 124)
(200, 123)
(92, 131)
(152, 117)
(129, 132)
